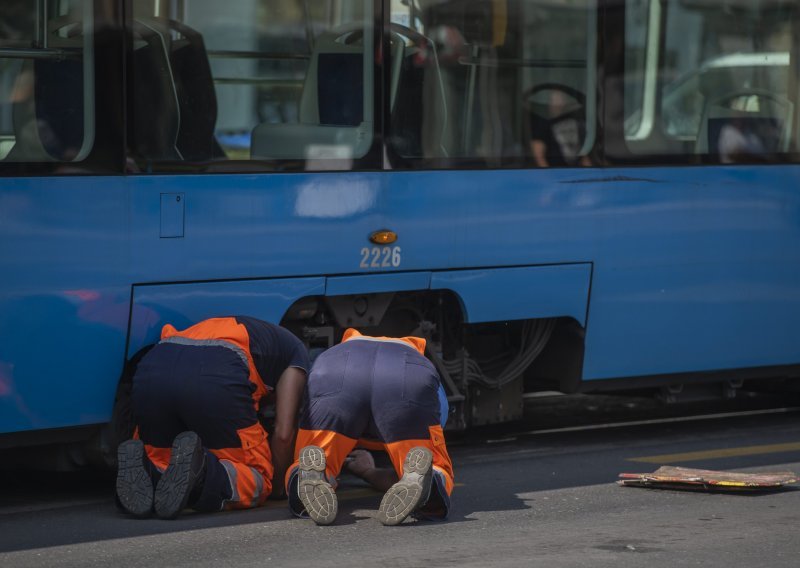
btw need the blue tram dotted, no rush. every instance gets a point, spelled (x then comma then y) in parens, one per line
(558, 194)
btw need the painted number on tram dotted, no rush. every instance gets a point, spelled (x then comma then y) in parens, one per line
(380, 257)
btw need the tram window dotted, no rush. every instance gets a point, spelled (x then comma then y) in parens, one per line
(284, 84)
(46, 81)
(493, 82)
(722, 88)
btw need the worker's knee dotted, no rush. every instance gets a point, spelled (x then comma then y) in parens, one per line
(216, 488)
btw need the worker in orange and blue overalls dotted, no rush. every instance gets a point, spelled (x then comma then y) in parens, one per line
(378, 393)
(195, 397)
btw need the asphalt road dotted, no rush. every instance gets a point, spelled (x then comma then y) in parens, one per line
(523, 499)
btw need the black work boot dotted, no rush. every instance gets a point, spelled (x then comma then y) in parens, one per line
(413, 489)
(315, 492)
(185, 473)
(134, 484)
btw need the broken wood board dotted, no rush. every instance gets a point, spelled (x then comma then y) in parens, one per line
(670, 477)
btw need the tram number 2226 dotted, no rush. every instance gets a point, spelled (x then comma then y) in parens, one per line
(380, 257)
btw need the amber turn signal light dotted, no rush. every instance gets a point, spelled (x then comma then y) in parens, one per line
(383, 237)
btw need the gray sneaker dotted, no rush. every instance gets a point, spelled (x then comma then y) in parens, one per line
(314, 491)
(413, 489)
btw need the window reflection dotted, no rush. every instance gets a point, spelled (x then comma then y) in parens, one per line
(494, 82)
(46, 81)
(722, 79)
(288, 83)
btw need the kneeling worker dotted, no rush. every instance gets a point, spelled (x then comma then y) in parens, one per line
(382, 393)
(195, 396)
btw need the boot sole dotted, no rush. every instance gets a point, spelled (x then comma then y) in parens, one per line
(411, 491)
(316, 494)
(134, 486)
(176, 484)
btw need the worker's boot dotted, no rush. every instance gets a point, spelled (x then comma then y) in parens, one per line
(134, 481)
(184, 474)
(315, 492)
(413, 489)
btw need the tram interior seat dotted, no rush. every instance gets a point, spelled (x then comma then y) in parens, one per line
(334, 118)
(155, 104)
(197, 98)
(48, 111)
(333, 121)
(746, 123)
(50, 98)
(173, 93)
(419, 111)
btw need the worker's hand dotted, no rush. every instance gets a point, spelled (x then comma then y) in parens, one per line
(359, 462)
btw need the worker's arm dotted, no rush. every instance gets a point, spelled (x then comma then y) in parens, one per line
(539, 151)
(288, 397)
(361, 464)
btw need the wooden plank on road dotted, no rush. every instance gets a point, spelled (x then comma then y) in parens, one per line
(686, 478)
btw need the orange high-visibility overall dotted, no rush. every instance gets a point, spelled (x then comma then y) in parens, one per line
(378, 393)
(205, 379)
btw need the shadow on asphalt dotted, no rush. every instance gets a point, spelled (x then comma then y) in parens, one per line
(42, 510)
